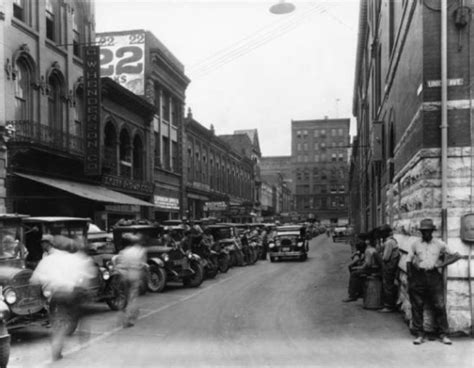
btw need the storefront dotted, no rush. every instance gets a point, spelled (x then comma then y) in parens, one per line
(166, 208)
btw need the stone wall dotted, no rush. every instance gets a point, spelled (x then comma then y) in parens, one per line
(416, 194)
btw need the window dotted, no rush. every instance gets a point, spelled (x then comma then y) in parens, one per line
(333, 157)
(341, 157)
(305, 146)
(78, 114)
(305, 158)
(299, 158)
(77, 32)
(166, 107)
(323, 145)
(52, 20)
(55, 103)
(298, 147)
(23, 92)
(305, 133)
(316, 158)
(316, 146)
(341, 132)
(298, 133)
(166, 153)
(323, 157)
(19, 10)
(174, 156)
(323, 132)
(157, 150)
(333, 132)
(342, 189)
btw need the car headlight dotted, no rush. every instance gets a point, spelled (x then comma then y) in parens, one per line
(166, 257)
(271, 245)
(47, 293)
(105, 274)
(300, 244)
(10, 296)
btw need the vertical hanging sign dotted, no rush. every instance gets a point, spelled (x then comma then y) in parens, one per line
(92, 157)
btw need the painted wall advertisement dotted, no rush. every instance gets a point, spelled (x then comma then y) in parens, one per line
(122, 58)
(92, 159)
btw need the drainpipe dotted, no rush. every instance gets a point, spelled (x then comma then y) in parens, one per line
(444, 118)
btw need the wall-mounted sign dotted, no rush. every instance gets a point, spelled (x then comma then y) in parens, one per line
(92, 159)
(166, 202)
(129, 185)
(215, 206)
(122, 58)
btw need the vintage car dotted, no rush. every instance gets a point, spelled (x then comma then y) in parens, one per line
(21, 303)
(165, 263)
(288, 242)
(109, 285)
(226, 237)
(341, 234)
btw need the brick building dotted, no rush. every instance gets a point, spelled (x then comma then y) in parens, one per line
(51, 169)
(320, 164)
(218, 179)
(398, 174)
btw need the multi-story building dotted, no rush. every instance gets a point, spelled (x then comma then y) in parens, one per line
(219, 180)
(274, 165)
(150, 70)
(53, 167)
(320, 163)
(413, 104)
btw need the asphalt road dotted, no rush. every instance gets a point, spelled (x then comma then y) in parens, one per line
(267, 315)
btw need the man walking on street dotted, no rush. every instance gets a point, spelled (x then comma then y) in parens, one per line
(426, 259)
(390, 259)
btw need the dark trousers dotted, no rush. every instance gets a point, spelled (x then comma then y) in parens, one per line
(427, 288)
(389, 289)
(356, 284)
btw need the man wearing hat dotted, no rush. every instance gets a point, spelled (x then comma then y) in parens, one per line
(425, 262)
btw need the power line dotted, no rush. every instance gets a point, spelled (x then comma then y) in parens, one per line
(240, 51)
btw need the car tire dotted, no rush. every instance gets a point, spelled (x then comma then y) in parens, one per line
(224, 263)
(198, 277)
(303, 257)
(272, 259)
(117, 288)
(156, 280)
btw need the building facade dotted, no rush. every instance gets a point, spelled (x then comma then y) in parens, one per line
(413, 156)
(158, 76)
(320, 163)
(219, 180)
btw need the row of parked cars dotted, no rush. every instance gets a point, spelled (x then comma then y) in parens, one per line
(170, 259)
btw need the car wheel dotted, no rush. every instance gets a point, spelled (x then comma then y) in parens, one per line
(197, 278)
(272, 259)
(303, 257)
(156, 280)
(224, 261)
(117, 289)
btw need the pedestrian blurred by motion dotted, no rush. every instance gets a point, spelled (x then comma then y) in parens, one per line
(66, 275)
(425, 262)
(131, 262)
(390, 259)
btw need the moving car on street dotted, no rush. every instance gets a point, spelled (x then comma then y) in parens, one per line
(288, 242)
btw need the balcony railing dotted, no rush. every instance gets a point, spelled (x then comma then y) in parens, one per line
(30, 132)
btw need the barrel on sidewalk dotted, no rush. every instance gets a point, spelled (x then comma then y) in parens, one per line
(373, 292)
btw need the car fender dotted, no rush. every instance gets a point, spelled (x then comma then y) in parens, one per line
(156, 261)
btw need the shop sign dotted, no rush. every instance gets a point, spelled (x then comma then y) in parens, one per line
(128, 184)
(215, 206)
(166, 202)
(127, 208)
(122, 58)
(92, 158)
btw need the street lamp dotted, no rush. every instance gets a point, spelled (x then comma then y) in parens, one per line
(282, 7)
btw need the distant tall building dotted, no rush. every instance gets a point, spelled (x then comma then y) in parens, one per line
(320, 163)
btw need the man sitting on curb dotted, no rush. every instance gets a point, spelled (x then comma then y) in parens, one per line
(370, 265)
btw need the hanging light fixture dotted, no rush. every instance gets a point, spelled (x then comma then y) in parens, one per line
(282, 7)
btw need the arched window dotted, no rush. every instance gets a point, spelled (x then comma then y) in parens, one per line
(110, 149)
(125, 154)
(138, 159)
(23, 91)
(55, 103)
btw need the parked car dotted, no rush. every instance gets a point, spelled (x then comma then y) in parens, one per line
(165, 263)
(21, 303)
(340, 234)
(228, 239)
(109, 285)
(288, 242)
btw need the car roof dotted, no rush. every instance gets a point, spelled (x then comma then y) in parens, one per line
(138, 227)
(289, 228)
(56, 219)
(285, 232)
(12, 216)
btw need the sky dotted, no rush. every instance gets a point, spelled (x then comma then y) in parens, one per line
(249, 68)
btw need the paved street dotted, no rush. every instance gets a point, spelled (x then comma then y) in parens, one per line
(269, 314)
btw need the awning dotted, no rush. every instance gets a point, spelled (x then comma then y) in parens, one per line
(89, 191)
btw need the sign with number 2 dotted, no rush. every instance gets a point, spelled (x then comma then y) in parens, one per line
(122, 58)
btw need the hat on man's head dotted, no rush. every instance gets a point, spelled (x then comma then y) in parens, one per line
(385, 228)
(427, 224)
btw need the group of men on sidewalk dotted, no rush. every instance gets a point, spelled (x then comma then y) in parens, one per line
(377, 253)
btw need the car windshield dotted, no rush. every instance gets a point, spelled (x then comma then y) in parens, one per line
(10, 246)
(222, 233)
